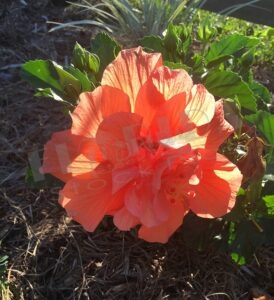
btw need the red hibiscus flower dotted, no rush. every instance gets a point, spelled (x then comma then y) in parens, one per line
(143, 148)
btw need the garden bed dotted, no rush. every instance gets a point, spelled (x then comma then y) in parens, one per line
(51, 257)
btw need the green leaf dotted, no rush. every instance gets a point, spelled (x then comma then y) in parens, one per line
(206, 31)
(260, 91)
(264, 122)
(229, 45)
(47, 74)
(83, 79)
(269, 203)
(84, 60)
(106, 49)
(218, 61)
(153, 43)
(48, 92)
(171, 38)
(228, 84)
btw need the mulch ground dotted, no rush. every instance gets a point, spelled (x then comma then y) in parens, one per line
(53, 258)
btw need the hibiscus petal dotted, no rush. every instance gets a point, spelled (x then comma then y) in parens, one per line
(217, 130)
(182, 114)
(86, 199)
(150, 206)
(130, 70)
(163, 85)
(95, 106)
(124, 175)
(161, 233)
(169, 120)
(124, 220)
(170, 82)
(118, 136)
(209, 136)
(61, 155)
(218, 187)
(201, 106)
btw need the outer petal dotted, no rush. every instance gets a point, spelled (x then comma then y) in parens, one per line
(130, 70)
(209, 136)
(170, 82)
(218, 187)
(200, 106)
(162, 232)
(182, 113)
(95, 106)
(87, 199)
(67, 155)
(118, 135)
(217, 130)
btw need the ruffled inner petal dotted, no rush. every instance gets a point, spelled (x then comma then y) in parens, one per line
(118, 137)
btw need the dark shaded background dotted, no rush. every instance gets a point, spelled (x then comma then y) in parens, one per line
(261, 12)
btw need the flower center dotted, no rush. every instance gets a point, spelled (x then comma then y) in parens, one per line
(179, 184)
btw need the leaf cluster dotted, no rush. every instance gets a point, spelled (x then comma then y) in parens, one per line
(66, 83)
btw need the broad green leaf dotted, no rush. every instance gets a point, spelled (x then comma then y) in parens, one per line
(218, 61)
(247, 59)
(229, 45)
(153, 43)
(86, 85)
(47, 74)
(106, 49)
(228, 84)
(84, 60)
(264, 122)
(269, 203)
(260, 91)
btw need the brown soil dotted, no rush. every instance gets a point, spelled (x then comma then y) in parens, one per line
(53, 258)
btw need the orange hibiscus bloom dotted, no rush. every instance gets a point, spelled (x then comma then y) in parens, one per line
(143, 148)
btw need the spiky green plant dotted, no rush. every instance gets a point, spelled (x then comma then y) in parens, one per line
(135, 19)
